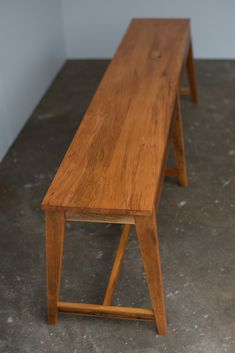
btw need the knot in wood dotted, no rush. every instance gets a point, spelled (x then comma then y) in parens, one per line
(155, 55)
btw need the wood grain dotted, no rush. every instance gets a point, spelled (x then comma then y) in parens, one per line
(54, 253)
(114, 163)
(178, 142)
(115, 166)
(148, 239)
(170, 172)
(73, 215)
(191, 73)
(118, 312)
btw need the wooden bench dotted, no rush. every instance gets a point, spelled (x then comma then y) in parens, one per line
(114, 168)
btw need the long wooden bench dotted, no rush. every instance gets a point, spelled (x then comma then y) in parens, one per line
(114, 168)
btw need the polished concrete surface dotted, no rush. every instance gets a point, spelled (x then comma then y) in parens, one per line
(196, 229)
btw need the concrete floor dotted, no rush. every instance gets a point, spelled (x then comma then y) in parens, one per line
(196, 227)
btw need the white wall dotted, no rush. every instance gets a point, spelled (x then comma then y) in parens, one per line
(93, 28)
(32, 51)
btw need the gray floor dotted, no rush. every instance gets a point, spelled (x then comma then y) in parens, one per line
(196, 227)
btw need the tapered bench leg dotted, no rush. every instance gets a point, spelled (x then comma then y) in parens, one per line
(191, 74)
(178, 143)
(54, 253)
(148, 239)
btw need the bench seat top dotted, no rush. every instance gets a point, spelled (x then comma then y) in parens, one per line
(114, 164)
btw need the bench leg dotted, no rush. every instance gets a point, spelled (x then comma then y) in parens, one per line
(178, 143)
(191, 74)
(54, 253)
(148, 239)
